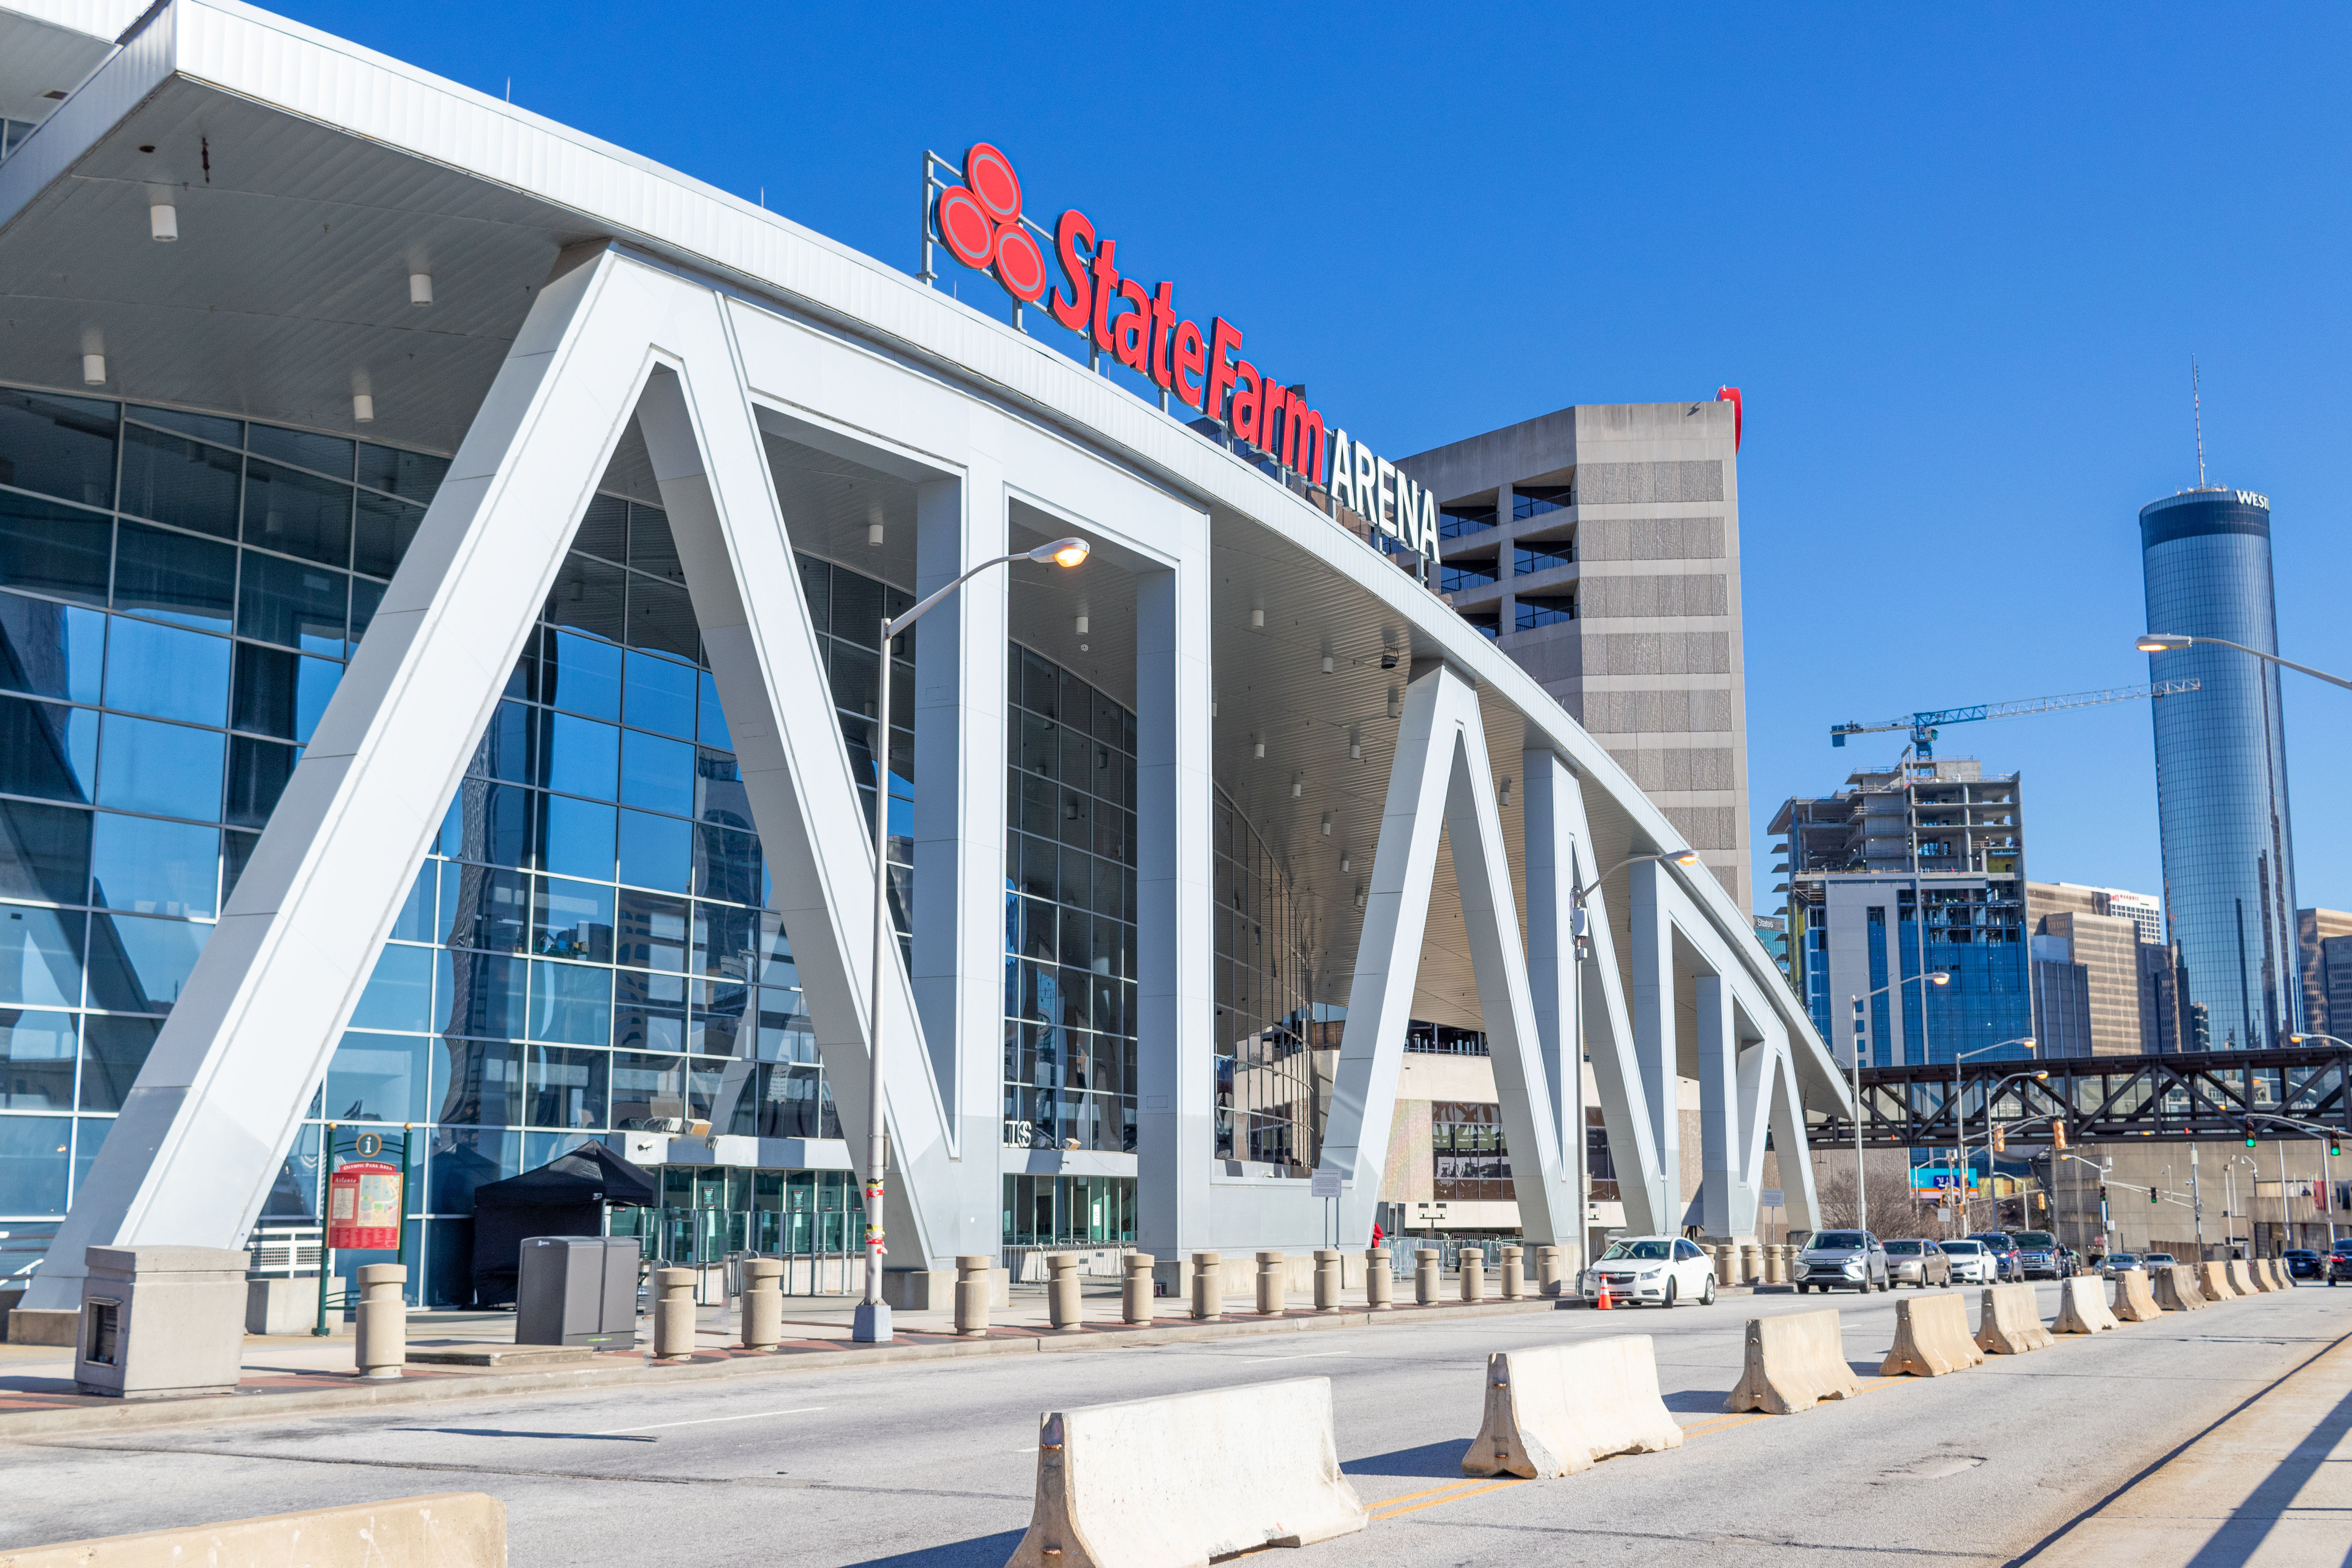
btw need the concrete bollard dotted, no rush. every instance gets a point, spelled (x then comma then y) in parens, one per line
(1776, 1264)
(1208, 1287)
(1474, 1275)
(1061, 1301)
(1548, 1271)
(673, 1314)
(1513, 1283)
(1272, 1268)
(1380, 1284)
(1135, 1291)
(1752, 1264)
(1329, 1279)
(763, 1303)
(1428, 1275)
(974, 1286)
(382, 1342)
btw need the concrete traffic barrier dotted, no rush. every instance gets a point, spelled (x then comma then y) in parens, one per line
(763, 1303)
(2082, 1308)
(1428, 1275)
(2213, 1282)
(1179, 1479)
(2134, 1303)
(1794, 1361)
(673, 1314)
(1515, 1284)
(2280, 1273)
(1931, 1337)
(1379, 1282)
(381, 1346)
(1474, 1275)
(447, 1530)
(2009, 1323)
(1208, 1287)
(1559, 1409)
(2175, 1288)
(1272, 1268)
(2260, 1271)
(974, 1289)
(1134, 1290)
(2240, 1280)
(1063, 1308)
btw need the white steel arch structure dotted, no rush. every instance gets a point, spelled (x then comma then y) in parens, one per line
(655, 312)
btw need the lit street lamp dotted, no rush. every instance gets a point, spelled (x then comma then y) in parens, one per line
(1960, 1122)
(2175, 642)
(872, 1324)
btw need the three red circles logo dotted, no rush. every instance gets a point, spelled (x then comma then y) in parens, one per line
(980, 221)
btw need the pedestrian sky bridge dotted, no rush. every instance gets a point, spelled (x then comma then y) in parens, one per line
(2184, 1098)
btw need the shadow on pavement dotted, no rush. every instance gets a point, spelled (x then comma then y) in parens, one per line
(1698, 1400)
(1443, 1460)
(981, 1552)
(2250, 1523)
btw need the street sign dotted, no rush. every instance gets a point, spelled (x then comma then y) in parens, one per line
(1324, 1185)
(1772, 1198)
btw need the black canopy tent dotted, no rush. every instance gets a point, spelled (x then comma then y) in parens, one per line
(566, 1196)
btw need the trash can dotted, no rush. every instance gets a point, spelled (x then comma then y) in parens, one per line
(161, 1319)
(577, 1290)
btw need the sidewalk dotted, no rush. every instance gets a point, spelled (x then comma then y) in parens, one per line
(300, 1375)
(2271, 1487)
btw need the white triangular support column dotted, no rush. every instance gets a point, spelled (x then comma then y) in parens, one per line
(205, 1129)
(1441, 780)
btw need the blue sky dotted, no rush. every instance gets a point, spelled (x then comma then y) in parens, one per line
(1957, 259)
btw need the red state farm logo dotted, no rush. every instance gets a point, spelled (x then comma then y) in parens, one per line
(979, 220)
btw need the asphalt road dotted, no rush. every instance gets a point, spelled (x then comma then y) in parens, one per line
(933, 1463)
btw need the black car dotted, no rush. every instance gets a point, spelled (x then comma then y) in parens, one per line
(2339, 1264)
(2039, 1256)
(2301, 1263)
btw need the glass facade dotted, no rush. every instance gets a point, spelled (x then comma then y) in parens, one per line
(1069, 913)
(1976, 935)
(2220, 766)
(587, 947)
(1276, 1050)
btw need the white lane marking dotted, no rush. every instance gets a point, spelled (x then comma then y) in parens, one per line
(704, 1421)
(1310, 1355)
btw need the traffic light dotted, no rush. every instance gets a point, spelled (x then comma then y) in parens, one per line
(2334, 1147)
(2249, 1131)
(2058, 1137)
(2151, 1195)
(2000, 1139)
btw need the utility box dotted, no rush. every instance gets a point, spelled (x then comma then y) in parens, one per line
(161, 1319)
(577, 1290)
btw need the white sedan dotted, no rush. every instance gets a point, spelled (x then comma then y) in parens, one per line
(1972, 1263)
(1661, 1270)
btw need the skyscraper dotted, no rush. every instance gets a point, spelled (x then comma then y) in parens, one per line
(2221, 765)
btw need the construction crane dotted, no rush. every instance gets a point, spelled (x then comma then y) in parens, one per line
(1922, 726)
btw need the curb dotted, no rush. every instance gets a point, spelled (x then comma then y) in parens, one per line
(141, 1415)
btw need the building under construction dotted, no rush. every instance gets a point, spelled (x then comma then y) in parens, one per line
(1910, 872)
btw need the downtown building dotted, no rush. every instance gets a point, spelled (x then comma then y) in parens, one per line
(1907, 871)
(441, 564)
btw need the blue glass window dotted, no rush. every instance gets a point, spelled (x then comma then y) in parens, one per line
(37, 1061)
(140, 965)
(57, 446)
(40, 956)
(571, 1002)
(167, 673)
(656, 851)
(34, 1152)
(47, 750)
(658, 774)
(174, 577)
(661, 694)
(579, 835)
(1533, 613)
(378, 1077)
(50, 649)
(153, 867)
(582, 756)
(399, 993)
(44, 852)
(112, 1052)
(171, 770)
(287, 603)
(297, 514)
(1529, 559)
(54, 549)
(582, 675)
(184, 483)
(280, 693)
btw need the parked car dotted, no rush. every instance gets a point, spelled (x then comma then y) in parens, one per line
(2339, 1263)
(2039, 1256)
(1972, 1263)
(1917, 1261)
(2152, 1261)
(2007, 1265)
(2119, 1263)
(2301, 1263)
(1843, 1259)
(1662, 1270)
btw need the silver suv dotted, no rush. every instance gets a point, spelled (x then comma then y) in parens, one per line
(1843, 1259)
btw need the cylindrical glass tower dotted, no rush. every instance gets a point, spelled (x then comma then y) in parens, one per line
(2220, 767)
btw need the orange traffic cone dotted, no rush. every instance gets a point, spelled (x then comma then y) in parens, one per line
(1602, 1304)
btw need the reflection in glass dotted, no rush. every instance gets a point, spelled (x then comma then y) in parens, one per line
(168, 769)
(153, 867)
(142, 966)
(37, 1061)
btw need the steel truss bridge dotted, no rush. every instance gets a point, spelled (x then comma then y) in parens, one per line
(2200, 1095)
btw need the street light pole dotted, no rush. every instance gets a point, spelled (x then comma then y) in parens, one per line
(1959, 1114)
(1861, 1190)
(2174, 642)
(872, 1322)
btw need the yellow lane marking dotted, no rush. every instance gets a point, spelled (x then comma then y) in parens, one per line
(1457, 1497)
(1433, 1491)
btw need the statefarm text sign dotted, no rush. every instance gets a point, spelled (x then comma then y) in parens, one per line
(980, 222)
